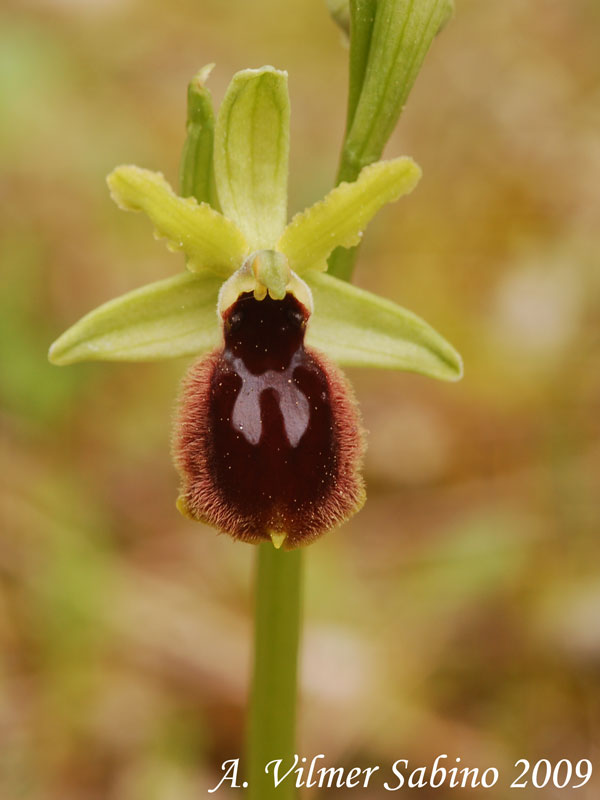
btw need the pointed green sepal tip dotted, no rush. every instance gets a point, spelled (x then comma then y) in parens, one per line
(340, 13)
(206, 237)
(277, 538)
(197, 86)
(166, 319)
(251, 154)
(341, 217)
(446, 14)
(357, 328)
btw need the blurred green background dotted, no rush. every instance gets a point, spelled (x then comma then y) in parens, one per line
(459, 612)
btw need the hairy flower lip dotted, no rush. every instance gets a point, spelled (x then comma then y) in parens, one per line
(268, 440)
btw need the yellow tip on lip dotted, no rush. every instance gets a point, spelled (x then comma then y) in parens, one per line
(277, 538)
(182, 507)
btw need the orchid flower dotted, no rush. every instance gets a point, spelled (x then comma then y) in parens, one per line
(268, 440)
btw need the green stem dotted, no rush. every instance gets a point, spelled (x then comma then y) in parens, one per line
(272, 725)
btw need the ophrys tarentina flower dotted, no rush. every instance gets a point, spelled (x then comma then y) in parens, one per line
(268, 440)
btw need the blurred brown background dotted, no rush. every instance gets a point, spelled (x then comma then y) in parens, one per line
(459, 613)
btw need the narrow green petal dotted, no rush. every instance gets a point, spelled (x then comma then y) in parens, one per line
(173, 317)
(251, 154)
(340, 218)
(357, 328)
(196, 173)
(208, 239)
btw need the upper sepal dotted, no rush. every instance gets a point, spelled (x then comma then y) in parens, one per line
(251, 154)
(357, 328)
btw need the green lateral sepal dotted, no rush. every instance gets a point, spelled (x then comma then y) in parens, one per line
(169, 318)
(357, 328)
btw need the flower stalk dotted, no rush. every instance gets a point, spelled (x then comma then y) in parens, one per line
(273, 698)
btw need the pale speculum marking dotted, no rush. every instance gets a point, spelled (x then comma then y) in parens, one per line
(293, 404)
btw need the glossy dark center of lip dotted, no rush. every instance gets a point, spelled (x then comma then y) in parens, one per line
(264, 344)
(270, 415)
(264, 334)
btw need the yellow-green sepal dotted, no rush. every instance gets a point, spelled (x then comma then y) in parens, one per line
(341, 217)
(207, 238)
(169, 318)
(251, 151)
(357, 328)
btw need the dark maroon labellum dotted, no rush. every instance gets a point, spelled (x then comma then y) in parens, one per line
(268, 438)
